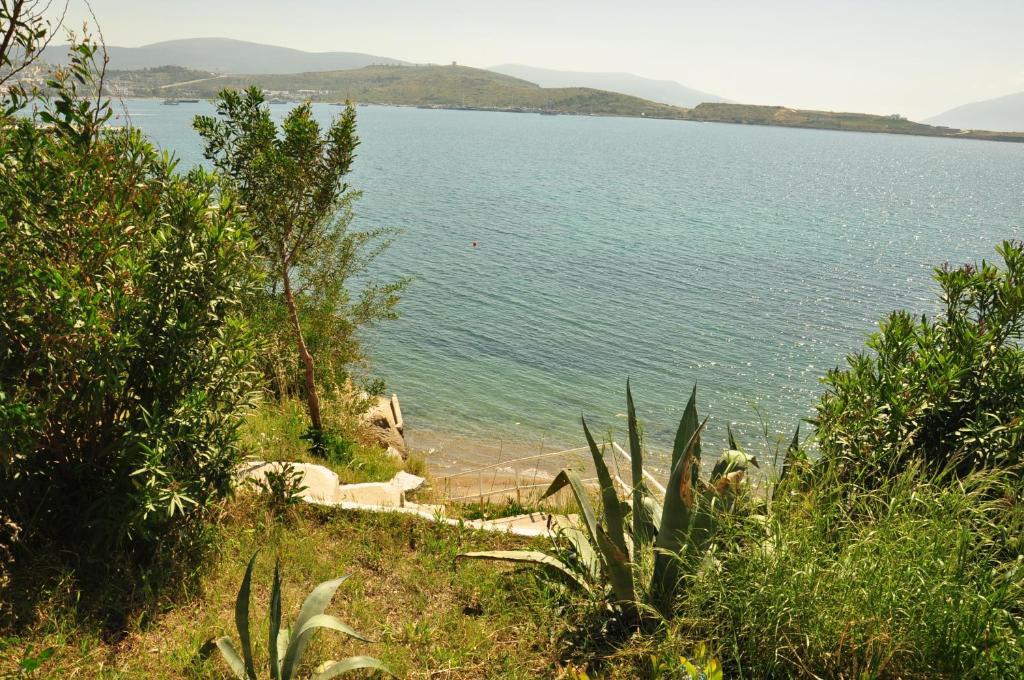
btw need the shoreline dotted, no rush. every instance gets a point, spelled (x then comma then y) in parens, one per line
(452, 456)
(939, 132)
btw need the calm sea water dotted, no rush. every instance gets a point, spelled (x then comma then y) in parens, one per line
(747, 260)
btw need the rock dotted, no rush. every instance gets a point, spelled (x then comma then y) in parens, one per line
(389, 439)
(322, 485)
(386, 425)
(407, 482)
(381, 414)
(394, 454)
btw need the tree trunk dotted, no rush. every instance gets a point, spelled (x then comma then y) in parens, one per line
(312, 400)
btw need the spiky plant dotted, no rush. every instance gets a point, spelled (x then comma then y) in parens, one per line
(611, 548)
(287, 646)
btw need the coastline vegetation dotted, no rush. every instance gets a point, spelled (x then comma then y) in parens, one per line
(461, 87)
(133, 381)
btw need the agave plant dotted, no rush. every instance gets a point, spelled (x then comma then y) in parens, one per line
(678, 530)
(287, 646)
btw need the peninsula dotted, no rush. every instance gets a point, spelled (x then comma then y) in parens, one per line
(461, 87)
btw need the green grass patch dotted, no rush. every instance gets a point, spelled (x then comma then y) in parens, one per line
(914, 579)
(427, 615)
(274, 431)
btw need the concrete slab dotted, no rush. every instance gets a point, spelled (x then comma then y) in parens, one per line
(384, 494)
(323, 488)
(407, 482)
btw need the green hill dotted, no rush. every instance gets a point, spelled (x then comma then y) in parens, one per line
(461, 87)
(782, 116)
(440, 86)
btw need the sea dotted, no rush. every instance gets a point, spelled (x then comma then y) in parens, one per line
(554, 257)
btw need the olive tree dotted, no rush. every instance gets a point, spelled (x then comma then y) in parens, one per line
(292, 182)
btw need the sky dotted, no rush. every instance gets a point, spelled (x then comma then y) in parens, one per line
(913, 57)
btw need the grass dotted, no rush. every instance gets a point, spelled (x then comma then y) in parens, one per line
(431, 619)
(273, 431)
(918, 578)
(909, 580)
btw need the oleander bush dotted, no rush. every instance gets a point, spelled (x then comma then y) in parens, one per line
(124, 358)
(948, 390)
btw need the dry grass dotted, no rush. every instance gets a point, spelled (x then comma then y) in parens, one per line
(430, 617)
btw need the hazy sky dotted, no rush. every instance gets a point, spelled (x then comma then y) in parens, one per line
(914, 57)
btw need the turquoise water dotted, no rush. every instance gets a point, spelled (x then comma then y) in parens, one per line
(747, 260)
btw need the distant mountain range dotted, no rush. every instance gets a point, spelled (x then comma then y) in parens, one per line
(1003, 113)
(200, 67)
(224, 55)
(662, 91)
(239, 57)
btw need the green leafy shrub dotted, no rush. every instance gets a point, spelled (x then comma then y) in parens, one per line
(8, 537)
(948, 391)
(280, 488)
(330, 445)
(124, 358)
(700, 666)
(286, 646)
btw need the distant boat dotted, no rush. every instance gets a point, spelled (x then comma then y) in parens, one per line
(170, 102)
(188, 101)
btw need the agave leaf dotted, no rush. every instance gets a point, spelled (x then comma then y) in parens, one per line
(284, 636)
(555, 565)
(613, 514)
(242, 619)
(584, 550)
(275, 623)
(732, 440)
(791, 452)
(704, 521)
(687, 426)
(677, 520)
(227, 650)
(333, 669)
(570, 478)
(619, 569)
(654, 512)
(642, 522)
(330, 623)
(315, 604)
